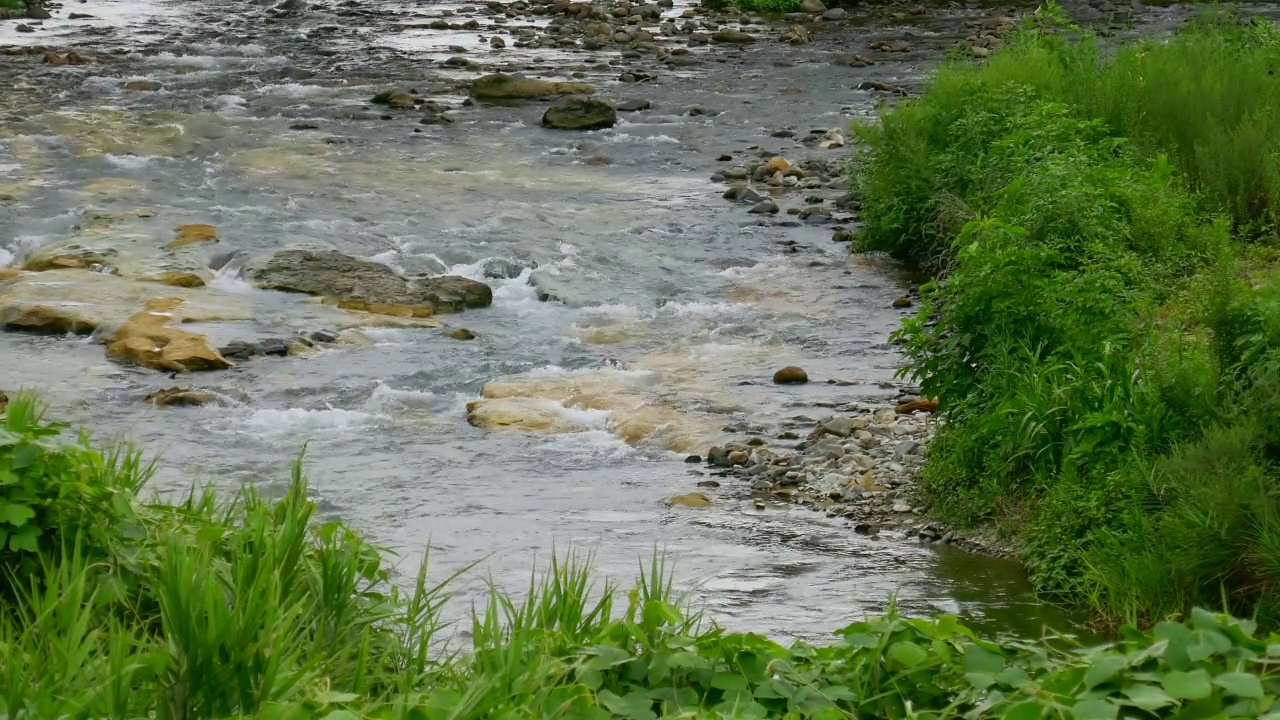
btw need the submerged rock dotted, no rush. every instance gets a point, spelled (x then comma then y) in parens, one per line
(510, 87)
(462, 334)
(692, 500)
(523, 414)
(191, 234)
(359, 284)
(180, 397)
(734, 37)
(579, 113)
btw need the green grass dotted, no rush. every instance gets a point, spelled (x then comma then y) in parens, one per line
(1104, 331)
(250, 608)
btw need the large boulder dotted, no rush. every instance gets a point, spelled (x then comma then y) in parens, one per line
(579, 113)
(510, 87)
(358, 284)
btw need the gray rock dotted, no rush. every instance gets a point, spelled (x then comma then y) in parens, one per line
(907, 448)
(768, 207)
(579, 113)
(510, 87)
(360, 284)
(834, 14)
(501, 269)
(733, 37)
(813, 7)
(842, 426)
(634, 105)
(273, 346)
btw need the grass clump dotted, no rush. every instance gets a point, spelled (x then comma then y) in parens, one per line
(1104, 331)
(253, 609)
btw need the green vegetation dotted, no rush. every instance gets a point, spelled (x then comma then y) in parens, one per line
(10, 6)
(115, 608)
(1104, 331)
(768, 7)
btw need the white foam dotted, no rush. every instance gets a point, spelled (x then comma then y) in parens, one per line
(293, 90)
(231, 104)
(129, 162)
(384, 397)
(7, 258)
(302, 423)
(642, 139)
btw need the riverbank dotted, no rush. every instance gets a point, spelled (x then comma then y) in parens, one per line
(256, 608)
(1099, 335)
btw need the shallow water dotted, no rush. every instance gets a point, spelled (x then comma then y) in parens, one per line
(673, 300)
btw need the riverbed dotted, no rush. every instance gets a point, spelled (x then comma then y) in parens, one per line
(625, 288)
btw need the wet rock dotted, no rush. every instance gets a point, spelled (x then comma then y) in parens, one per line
(903, 302)
(510, 87)
(191, 234)
(501, 269)
(142, 86)
(273, 346)
(24, 28)
(927, 405)
(80, 16)
(180, 397)
(834, 14)
(693, 460)
(147, 339)
(813, 7)
(359, 284)
(66, 255)
(238, 350)
(634, 105)
(691, 500)
(36, 11)
(898, 46)
(846, 60)
(579, 113)
(462, 334)
(718, 457)
(816, 215)
(497, 43)
(733, 37)
(791, 375)
(906, 448)
(395, 98)
(549, 287)
(767, 207)
(520, 414)
(743, 194)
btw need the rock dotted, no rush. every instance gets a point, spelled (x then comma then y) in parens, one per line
(929, 405)
(852, 60)
(739, 457)
(579, 113)
(813, 7)
(462, 334)
(272, 346)
(80, 16)
(394, 97)
(142, 86)
(797, 35)
(901, 508)
(191, 234)
(834, 14)
(777, 164)
(24, 28)
(904, 302)
(816, 215)
(148, 340)
(358, 284)
(66, 255)
(180, 397)
(521, 414)
(4, 402)
(841, 426)
(906, 448)
(501, 269)
(742, 193)
(36, 11)
(634, 105)
(790, 375)
(718, 457)
(900, 46)
(980, 52)
(509, 87)
(692, 500)
(693, 460)
(497, 43)
(766, 207)
(733, 37)
(549, 287)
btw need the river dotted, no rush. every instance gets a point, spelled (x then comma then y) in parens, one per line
(669, 297)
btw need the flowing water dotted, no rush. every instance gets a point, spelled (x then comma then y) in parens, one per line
(674, 304)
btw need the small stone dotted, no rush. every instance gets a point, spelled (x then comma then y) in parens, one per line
(733, 37)
(901, 508)
(834, 14)
(903, 302)
(142, 86)
(693, 459)
(634, 105)
(767, 207)
(813, 7)
(24, 28)
(497, 43)
(176, 397)
(724, 158)
(273, 346)
(462, 334)
(907, 448)
(790, 375)
(739, 457)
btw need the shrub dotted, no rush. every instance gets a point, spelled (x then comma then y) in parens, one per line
(1103, 341)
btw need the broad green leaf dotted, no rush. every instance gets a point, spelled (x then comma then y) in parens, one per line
(1147, 697)
(1029, 710)
(978, 660)
(728, 681)
(981, 681)
(908, 653)
(636, 705)
(15, 514)
(607, 656)
(341, 715)
(686, 659)
(1013, 677)
(1192, 685)
(1242, 685)
(23, 455)
(24, 539)
(1095, 710)
(862, 640)
(1103, 669)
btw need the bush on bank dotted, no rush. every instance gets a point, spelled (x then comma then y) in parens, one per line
(1104, 330)
(253, 609)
